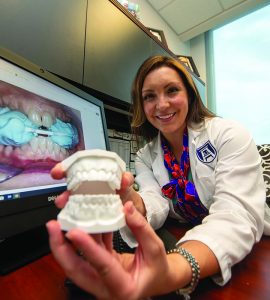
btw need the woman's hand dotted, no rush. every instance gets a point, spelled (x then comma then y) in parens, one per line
(106, 274)
(57, 172)
(109, 275)
(126, 189)
(127, 193)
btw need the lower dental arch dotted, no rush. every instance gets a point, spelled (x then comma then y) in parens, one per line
(16, 130)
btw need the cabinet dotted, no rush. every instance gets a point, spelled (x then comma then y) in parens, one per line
(115, 48)
(50, 33)
(116, 45)
(94, 43)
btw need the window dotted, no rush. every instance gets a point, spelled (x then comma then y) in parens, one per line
(242, 72)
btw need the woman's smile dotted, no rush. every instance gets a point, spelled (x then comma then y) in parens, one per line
(167, 117)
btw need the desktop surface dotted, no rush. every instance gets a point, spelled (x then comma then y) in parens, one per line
(43, 279)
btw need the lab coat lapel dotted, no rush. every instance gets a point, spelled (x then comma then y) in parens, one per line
(159, 169)
(194, 132)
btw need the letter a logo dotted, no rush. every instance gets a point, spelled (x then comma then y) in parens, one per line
(206, 153)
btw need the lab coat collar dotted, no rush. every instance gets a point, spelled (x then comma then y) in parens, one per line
(194, 130)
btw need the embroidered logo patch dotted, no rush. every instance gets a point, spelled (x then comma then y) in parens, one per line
(206, 153)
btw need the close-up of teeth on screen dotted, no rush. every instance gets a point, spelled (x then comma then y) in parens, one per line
(35, 134)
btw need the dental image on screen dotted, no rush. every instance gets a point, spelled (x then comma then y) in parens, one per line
(35, 134)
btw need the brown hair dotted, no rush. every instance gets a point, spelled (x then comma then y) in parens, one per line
(197, 112)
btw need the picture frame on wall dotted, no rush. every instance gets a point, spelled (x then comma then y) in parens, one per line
(189, 63)
(159, 34)
(132, 7)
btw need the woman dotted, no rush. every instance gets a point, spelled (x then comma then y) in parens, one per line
(197, 168)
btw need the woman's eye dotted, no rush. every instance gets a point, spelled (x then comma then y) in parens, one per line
(148, 97)
(173, 90)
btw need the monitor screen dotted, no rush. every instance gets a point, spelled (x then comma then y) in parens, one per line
(43, 120)
(40, 125)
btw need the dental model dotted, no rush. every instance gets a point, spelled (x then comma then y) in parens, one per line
(92, 178)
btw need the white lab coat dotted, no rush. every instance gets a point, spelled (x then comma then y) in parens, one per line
(226, 170)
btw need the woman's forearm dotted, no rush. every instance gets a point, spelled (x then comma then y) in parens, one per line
(204, 255)
(180, 272)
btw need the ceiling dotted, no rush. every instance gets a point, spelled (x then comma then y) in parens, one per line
(189, 18)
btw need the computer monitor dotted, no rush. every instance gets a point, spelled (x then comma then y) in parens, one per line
(43, 120)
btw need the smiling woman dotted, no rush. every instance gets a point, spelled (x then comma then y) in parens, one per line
(243, 46)
(189, 170)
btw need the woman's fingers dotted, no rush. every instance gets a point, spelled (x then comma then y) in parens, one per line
(108, 241)
(57, 171)
(146, 237)
(62, 250)
(75, 266)
(62, 199)
(126, 182)
(100, 271)
(104, 239)
(111, 272)
(126, 187)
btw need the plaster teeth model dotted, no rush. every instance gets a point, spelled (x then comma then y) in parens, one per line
(92, 178)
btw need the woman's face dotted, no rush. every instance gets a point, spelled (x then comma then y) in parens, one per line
(165, 101)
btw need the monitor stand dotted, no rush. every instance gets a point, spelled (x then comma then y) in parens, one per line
(19, 250)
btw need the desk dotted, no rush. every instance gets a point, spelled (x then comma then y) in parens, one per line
(44, 280)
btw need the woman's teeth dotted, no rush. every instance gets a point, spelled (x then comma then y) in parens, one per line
(44, 119)
(165, 117)
(41, 148)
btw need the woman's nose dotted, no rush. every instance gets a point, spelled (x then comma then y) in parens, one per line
(162, 102)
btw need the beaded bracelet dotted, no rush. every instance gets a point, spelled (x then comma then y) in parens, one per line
(195, 272)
